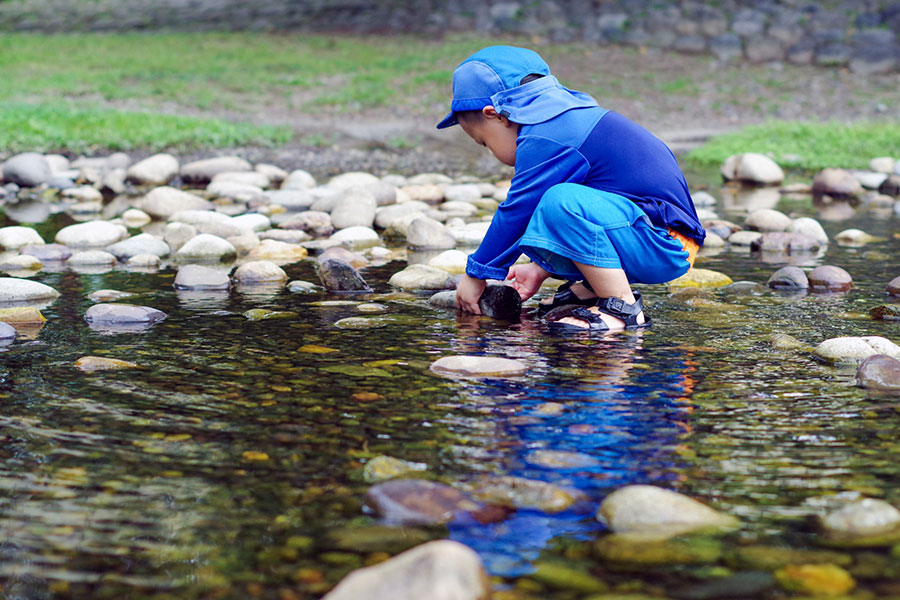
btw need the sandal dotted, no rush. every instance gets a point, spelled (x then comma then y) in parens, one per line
(564, 295)
(615, 307)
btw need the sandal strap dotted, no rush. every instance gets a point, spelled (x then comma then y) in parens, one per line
(595, 321)
(620, 309)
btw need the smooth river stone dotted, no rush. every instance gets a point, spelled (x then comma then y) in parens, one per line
(886, 312)
(879, 372)
(752, 167)
(122, 314)
(198, 277)
(158, 169)
(855, 349)
(821, 581)
(47, 252)
(648, 509)
(893, 288)
(866, 517)
(561, 459)
(7, 332)
(478, 366)
(422, 278)
(427, 233)
(522, 493)
(206, 247)
(14, 290)
(16, 236)
(259, 271)
(701, 278)
(338, 275)
(382, 468)
(89, 364)
(828, 278)
(788, 278)
(143, 243)
(438, 570)
(417, 502)
(93, 234)
(767, 220)
(202, 171)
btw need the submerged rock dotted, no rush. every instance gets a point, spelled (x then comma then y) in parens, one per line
(648, 509)
(382, 468)
(417, 502)
(47, 252)
(815, 580)
(89, 364)
(338, 275)
(198, 277)
(862, 519)
(519, 492)
(639, 550)
(886, 312)
(478, 366)
(701, 278)
(560, 576)
(879, 372)
(122, 314)
(442, 570)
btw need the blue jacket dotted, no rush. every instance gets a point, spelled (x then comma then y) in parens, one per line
(590, 146)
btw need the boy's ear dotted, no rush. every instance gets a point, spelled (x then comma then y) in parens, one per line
(490, 112)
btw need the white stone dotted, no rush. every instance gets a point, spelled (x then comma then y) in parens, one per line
(198, 277)
(479, 366)
(648, 509)
(273, 173)
(164, 201)
(206, 247)
(92, 258)
(869, 179)
(853, 237)
(275, 250)
(431, 194)
(291, 199)
(259, 271)
(882, 164)
(241, 192)
(767, 220)
(430, 179)
(200, 217)
(357, 237)
(702, 198)
(252, 221)
(19, 262)
(252, 178)
(143, 261)
(471, 234)
(177, 234)
(158, 169)
(16, 236)
(298, 180)
(201, 171)
(14, 290)
(810, 228)
(135, 217)
(855, 349)
(423, 277)
(427, 233)
(345, 181)
(464, 192)
(752, 167)
(386, 215)
(452, 261)
(356, 207)
(92, 234)
(143, 243)
(458, 209)
(28, 169)
(82, 193)
(868, 516)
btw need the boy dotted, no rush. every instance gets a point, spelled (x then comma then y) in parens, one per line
(595, 197)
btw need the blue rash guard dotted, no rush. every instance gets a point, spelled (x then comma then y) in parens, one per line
(597, 148)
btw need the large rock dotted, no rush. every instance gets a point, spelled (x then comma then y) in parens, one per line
(198, 277)
(23, 291)
(163, 202)
(93, 234)
(122, 314)
(751, 167)
(421, 278)
(279, 251)
(427, 233)
(356, 237)
(259, 271)
(143, 243)
(767, 219)
(862, 518)
(879, 372)
(206, 247)
(28, 169)
(315, 223)
(17, 236)
(439, 570)
(838, 183)
(298, 180)
(893, 287)
(522, 493)
(478, 366)
(783, 241)
(202, 171)
(809, 227)
(158, 169)
(828, 278)
(856, 349)
(355, 208)
(338, 275)
(647, 509)
(788, 278)
(417, 502)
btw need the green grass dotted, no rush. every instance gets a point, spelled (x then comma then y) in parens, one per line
(807, 145)
(58, 127)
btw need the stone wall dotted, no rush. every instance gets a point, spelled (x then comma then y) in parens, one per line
(862, 35)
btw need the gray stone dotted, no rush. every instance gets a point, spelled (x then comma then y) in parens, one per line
(28, 169)
(203, 171)
(893, 287)
(158, 169)
(17, 236)
(143, 243)
(206, 247)
(422, 278)
(47, 252)
(198, 277)
(386, 215)
(809, 227)
(315, 223)
(22, 291)
(882, 164)
(837, 183)
(259, 271)
(177, 235)
(251, 222)
(744, 238)
(763, 49)
(339, 275)
(163, 202)
(478, 366)
(357, 237)
(767, 219)
(726, 47)
(7, 332)
(782, 241)
(122, 314)
(251, 178)
(353, 179)
(355, 208)
(426, 233)
(92, 234)
(90, 258)
(828, 278)
(143, 261)
(788, 278)
(240, 192)
(855, 349)
(879, 372)
(291, 199)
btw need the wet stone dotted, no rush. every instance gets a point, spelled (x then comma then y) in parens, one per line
(206, 248)
(382, 468)
(15, 291)
(837, 183)
(828, 278)
(822, 580)
(262, 314)
(773, 557)
(744, 238)
(788, 278)
(122, 314)
(638, 551)
(879, 372)
(478, 366)
(886, 312)
(854, 237)
(893, 288)
(422, 278)
(563, 577)
(500, 302)
(519, 492)
(90, 364)
(561, 459)
(850, 349)
(784, 242)
(767, 220)
(108, 295)
(445, 299)
(259, 271)
(749, 584)
(199, 277)
(16, 236)
(7, 331)
(360, 323)
(426, 233)
(783, 341)
(701, 278)
(376, 538)
(338, 275)
(93, 234)
(47, 252)
(861, 519)
(417, 502)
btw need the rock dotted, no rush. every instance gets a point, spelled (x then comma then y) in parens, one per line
(122, 314)
(720, 226)
(500, 302)
(47, 252)
(249, 178)
(422, 277)
(239, 192)
(837, 183)
(713, 240)
(92, 234)
(291, 199)
(701, 278)
(886, 312)
(744, 238)
(206, 247)
(23, 291)
(639, 550)
(357, 237)
(783, 341)
(203, 217)
(315, 223)
(7, 332)
(259, 271)
(375, 538)
(28, 169)
(882, 164)
(767, 219)
(855, 349)
(428, 193)
(21, 262)
(563, 577)
(788, 278)
(251, 222)
(134, 218)
(828, 278)
(353, 179)
(815, 580)
(522, 493)
(273, 173)
(108, 295)
(463, 192)
(202, 171)
(869, 180)
(90, 364)
(561, 459)
(770, 558)
(17, 236)
(177, 235)
(648, 509)
(471, 234)
(893, 287)
(82, 193)
(264, 314)
(478, 366)
(338, 275)
(386, 215)
(442, 570)
(355, 208)
(809, 227)
(782, 241)
(382, 468)
(452, 261)
(417, 502)
(285, 235)
(862, 518)
(754, 168)
(298, 180)
(426, 233)
(879, 372)
(854, 237)
(198, 277)
(275, 250)
(143, 243)
(703, 198)
(749, 584)
(355, 260)
(143, 261)
(158, 169)
(890, 186)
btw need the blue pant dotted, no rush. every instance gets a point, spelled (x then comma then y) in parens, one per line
(577, 223)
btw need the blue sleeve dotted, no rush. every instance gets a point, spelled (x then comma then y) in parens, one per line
(540, 164)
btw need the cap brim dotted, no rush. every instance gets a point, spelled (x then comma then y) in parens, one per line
(448, 121)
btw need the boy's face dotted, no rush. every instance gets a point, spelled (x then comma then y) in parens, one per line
(495, 132)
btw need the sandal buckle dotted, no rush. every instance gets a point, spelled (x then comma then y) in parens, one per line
(617, 304)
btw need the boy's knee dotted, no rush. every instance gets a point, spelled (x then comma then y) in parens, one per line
(561, 196)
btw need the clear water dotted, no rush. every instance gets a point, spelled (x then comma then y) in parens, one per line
(229, 463)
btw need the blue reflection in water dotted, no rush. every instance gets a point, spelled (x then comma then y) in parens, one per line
(623, 422)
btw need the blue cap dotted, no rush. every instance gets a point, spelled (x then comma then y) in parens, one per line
(489, 71)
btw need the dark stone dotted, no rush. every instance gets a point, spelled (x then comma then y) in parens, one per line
(893, 288)
(690, 44)
(501, 302)
(749, 584)
(802, 52)
(886, 312)
(726, 47)
(337, 275)
(833, 54)
(890, 186)
(879, 372)
(875, 58)
(828, 278)
(788, 278)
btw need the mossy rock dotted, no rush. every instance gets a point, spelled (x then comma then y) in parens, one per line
(637, 551)
(702, 278)
(562, 577)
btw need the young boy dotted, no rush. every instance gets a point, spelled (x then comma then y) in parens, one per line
(595, 197)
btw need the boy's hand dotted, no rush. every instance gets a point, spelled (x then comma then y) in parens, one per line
(527, 279)
(468, 292)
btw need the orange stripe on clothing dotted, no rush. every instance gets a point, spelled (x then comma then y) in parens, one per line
(687, 243)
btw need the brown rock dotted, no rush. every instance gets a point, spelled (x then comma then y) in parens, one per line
(879, 372)
(828, 278)
(837, 183)
(417, 501)
(893, 288)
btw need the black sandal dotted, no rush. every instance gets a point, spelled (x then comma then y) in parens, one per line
(564, 295)
(615, 307)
